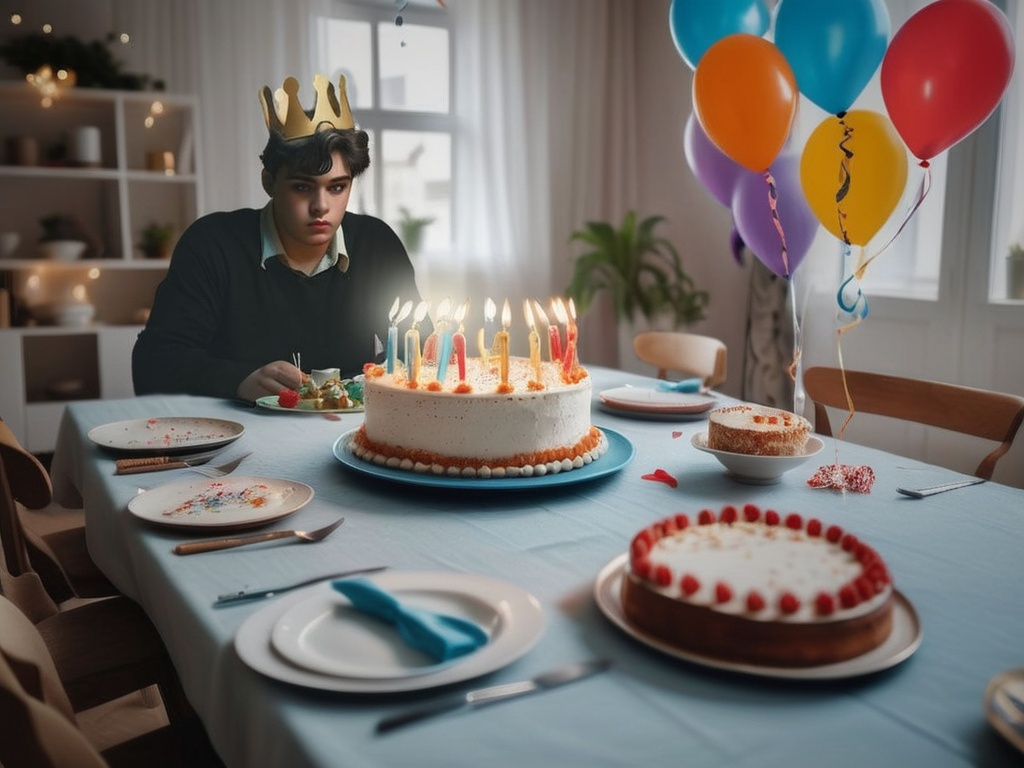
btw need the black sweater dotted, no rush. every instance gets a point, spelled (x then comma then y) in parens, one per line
(218, 315)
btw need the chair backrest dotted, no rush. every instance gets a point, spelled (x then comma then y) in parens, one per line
(977, 412)
(40, 729)
(687, 353)
(22, 479)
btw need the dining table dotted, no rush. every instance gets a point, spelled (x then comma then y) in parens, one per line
(543, 555)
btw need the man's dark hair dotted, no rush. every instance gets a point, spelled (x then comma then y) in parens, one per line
(311, 155)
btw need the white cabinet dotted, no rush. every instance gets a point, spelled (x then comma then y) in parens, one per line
(144, 174)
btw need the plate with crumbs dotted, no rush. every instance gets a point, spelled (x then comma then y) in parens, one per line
(166, 434)
(904, 639)
(271, 404)
(224, 502)
(758, 470)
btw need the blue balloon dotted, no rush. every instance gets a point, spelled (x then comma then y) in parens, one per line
(696, 25)
(834, 48)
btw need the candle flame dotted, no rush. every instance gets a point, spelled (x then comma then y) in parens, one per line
(460, 312)
(542, 318)
(421, 312)
(506, 315)
(403, 312)
(444, 309)
(394, 309)
(528, 313)
(558, 307)
(572, 309)
(489, 309)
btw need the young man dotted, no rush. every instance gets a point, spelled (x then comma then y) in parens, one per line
(250, 291)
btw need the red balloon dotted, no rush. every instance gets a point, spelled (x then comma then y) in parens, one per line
(945, 71)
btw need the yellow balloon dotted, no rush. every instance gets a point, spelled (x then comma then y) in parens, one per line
(869, 182)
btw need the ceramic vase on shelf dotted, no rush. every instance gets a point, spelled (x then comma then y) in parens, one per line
(62, 250)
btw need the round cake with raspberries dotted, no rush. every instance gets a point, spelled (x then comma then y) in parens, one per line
(753, 586)
(757, 430)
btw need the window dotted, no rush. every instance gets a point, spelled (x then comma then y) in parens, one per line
(398, 72)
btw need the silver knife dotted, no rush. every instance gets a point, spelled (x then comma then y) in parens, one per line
(920, 493)
(231, 598)
(495, 693)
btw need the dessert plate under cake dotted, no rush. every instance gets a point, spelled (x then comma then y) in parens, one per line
(903, 640)
(620, 452)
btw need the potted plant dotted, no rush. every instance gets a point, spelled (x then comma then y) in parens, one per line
(642, 272)
(156, 241)
(63, 238)
(411, 228)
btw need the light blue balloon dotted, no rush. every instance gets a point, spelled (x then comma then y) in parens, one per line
(696, 25)
(833, 47)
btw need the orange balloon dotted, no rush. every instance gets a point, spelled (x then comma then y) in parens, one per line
(745, 97)
(870, 182)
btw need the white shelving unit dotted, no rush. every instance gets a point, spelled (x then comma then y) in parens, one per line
(40, 364)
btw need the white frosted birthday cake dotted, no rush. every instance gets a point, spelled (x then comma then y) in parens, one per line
(478, 426)
(752, 586)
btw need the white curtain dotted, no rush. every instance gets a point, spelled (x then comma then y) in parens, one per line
(547, 137)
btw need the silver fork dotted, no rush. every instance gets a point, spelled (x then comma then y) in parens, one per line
(224, 469)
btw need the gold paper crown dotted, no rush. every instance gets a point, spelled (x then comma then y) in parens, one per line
(283, 112)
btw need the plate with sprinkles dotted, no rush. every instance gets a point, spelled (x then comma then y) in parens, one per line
(166, 434)
(224, 502)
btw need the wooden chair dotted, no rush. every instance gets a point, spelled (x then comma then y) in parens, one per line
(56, 552)
(103, 648)
(977, 412)
(686, 353)
(40, 725)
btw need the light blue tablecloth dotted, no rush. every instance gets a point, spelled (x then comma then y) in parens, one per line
(957, 557)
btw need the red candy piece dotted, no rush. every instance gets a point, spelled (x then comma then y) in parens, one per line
(661, 476)
(755, 602)
(824, 604)
(789, 603)
(287, 398)
(676, 434)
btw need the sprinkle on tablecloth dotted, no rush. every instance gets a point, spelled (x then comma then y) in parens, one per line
(661, 476)
(844, 477)
(676, 434)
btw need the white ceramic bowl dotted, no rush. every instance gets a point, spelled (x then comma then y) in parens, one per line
(74, 314)
(758, 470)
(62, 250)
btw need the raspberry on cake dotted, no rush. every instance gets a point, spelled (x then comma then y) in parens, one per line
(757, 430)
(756, 587)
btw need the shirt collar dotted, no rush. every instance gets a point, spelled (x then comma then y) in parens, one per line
(271, 247)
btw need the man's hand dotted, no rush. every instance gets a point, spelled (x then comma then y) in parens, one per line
(269, 380)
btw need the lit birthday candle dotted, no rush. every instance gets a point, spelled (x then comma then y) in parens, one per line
(481, 337)
(569, 358)
(445, 332)
(534, 342)
(430, 345)
(501, 342)
(459, 339)
(395, 316)
(554, 338)
(413, 360)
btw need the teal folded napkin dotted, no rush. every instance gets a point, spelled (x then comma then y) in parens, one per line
(686, 385)
(440, 636)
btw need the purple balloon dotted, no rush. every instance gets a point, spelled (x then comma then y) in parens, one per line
(752, 214)
(712, 167)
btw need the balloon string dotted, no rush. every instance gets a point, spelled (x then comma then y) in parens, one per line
(857, 320)
(795, 368)
(922, 192)
(773, 204)
(844, 176)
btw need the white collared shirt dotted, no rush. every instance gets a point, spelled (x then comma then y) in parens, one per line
(271, 247)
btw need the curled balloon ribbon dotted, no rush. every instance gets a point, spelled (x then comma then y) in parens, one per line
(773, 205)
